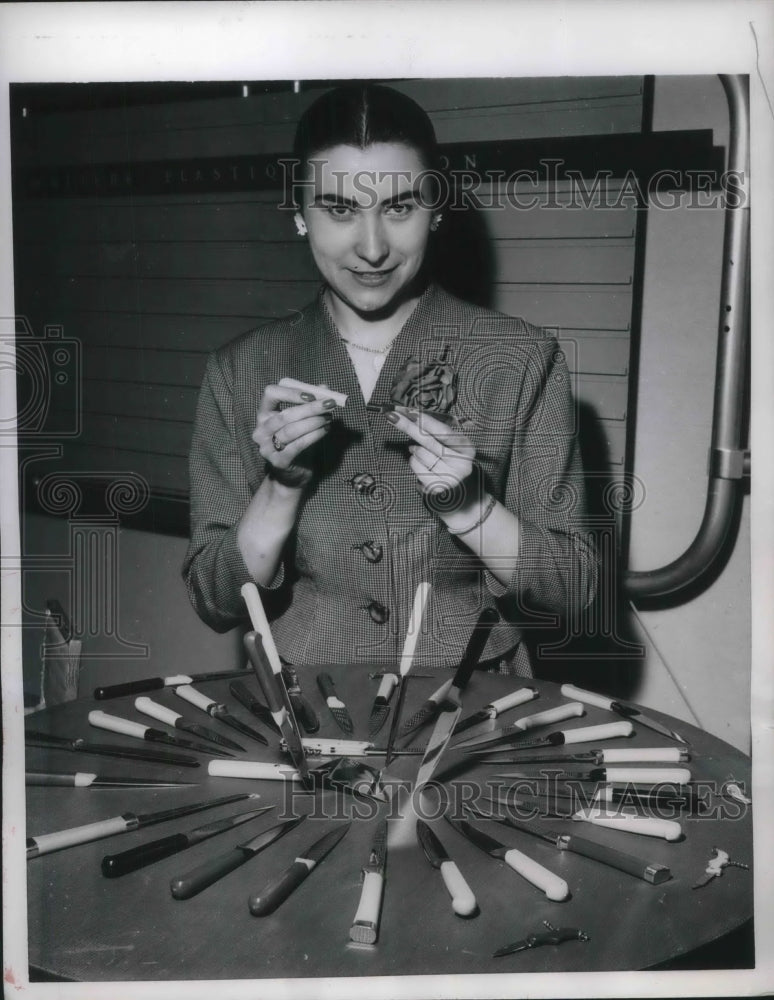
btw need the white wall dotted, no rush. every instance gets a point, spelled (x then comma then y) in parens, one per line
(706, 642)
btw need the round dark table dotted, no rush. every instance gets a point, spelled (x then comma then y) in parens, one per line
(85, 927)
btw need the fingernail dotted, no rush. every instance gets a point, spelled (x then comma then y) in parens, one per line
(412, 415)
(329, 404)
(392, 417)
(307, 397)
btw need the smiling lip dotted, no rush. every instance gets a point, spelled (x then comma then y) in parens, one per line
(372, 277)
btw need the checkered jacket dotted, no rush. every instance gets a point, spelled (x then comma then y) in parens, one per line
(361, 546)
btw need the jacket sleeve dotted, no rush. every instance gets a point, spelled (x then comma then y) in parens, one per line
(557, 562)
(213, 568)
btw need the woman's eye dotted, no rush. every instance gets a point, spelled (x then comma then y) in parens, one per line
(340, 211)
(399, 210)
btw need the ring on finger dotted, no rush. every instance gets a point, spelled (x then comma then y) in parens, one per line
(278, 445)
(432, 467)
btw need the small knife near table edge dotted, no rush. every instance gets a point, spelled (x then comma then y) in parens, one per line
(627, 711)
(115, 865)
(365, 926)
(276, 696)
(127, 821)
(463, 900)
(86, 779)
(171, 718)
(157, 683)
(218, 711)
(555, 888)
(650, 776)
(277, 892)
(336, 706)
(33, 738)
(204, 875)
(139, 731)
(625, 755)
(648, 871)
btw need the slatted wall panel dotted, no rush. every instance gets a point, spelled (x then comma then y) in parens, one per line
(150, 284)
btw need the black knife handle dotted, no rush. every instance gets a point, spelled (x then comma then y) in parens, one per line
(326, 685)
(277, 892)
(185, 886)
(649, 871)
(114, 865)
(246, 698)
(304, 712)
(131, 687)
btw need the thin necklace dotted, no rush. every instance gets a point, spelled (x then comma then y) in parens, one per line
(370, 350)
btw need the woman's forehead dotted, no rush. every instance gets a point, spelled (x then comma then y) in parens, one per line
(384, 169)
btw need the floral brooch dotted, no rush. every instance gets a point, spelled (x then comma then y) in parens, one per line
(425, 385)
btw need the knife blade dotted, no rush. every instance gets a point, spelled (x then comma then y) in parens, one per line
(494, 708)
(157, 683)
(85, 779)
(163, 714)
(648, 871)
(218, 711)
(451, 708)
(248, 700)
(204, 875)
(554, 887)
(47, 842)
(305, 714)
(277, 892)
(139, 731)
(620, 708)
(619, 775)
(428, 711)
(463, 901)
(584, 734)
(421, 597)
(276, 697)
(116, 865)
(336, 706)
(33, 738)
(517, 729)
(316, 747)
(365, 926)
(381, 706)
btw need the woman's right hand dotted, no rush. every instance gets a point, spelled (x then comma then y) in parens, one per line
(284, 435)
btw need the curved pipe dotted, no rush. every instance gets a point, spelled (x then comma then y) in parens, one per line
(728, 463)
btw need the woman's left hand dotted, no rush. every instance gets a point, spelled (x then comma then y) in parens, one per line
(442, 456)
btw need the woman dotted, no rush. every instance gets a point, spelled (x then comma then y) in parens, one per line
(452, 461)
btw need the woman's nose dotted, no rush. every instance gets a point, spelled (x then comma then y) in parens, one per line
(372, 245)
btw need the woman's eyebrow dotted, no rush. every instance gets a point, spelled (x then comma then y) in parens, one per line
(330, 198)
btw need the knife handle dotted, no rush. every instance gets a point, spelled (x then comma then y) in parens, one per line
(252, 769)
(387, 685)
(152, 708)
(554, 887)
(647, 871)
(649, 826)
(326, 686)
(640, 755)
(185, 886)
(648, 775)
(260, 623)
(278, 891)
(304, 713)
(48, 842)
(115, 724)
(130, 687)
(587, 734)
(365, 927)
(194, 697)
(463, 901)
(513, 699)
(558, 714)
(114, 865)
(421, 595)
(598, 700)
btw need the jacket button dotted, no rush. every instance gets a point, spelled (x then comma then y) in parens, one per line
(371, 550)
(363, 483)
(378, 612)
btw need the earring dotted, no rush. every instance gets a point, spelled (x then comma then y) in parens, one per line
(436, 221)
(300, 224)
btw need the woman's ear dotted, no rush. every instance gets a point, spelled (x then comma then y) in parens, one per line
(300, 224)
